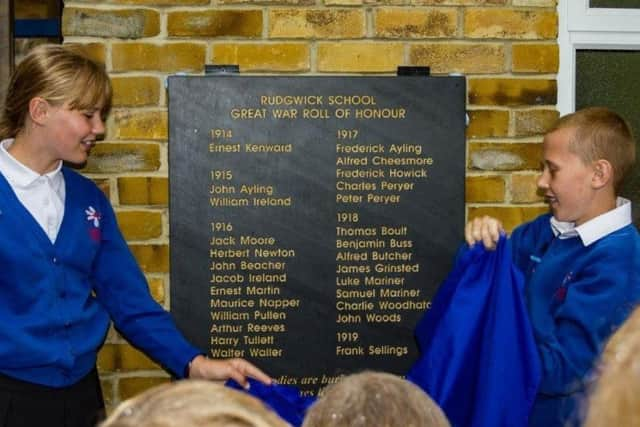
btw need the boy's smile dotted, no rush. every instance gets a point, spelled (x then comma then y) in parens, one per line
(566, 181)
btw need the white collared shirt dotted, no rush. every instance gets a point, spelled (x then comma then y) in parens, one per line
(598, 227)
(42, 195)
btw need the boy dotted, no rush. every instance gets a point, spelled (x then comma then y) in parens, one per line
(582, 261)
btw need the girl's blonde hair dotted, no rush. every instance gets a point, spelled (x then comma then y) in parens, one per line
(191, 403)
(59, 74)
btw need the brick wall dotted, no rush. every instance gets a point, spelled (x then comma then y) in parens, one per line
(506, 48)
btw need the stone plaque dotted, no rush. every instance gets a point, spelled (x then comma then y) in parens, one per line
(312, 218)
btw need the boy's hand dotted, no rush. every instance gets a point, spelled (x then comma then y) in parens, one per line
(223, 369)
(485, 229)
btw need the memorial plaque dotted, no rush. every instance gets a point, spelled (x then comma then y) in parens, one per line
(312, 218)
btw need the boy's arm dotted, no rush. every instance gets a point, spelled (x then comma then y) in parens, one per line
(569, 339)
(484, 229)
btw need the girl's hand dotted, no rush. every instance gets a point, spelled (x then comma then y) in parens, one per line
(223, 369)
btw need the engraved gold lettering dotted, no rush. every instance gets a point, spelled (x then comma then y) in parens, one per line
(225, 353)
(225, 329)
(383, 281)
(383, 318)
(347, 281)
(349, 351)
(266, 328)
(265, 352)
(263, 290)
(248, 113)
(387, 350)
(234, 303)
(348, 318)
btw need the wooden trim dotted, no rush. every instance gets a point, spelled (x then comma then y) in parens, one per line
(6, 45)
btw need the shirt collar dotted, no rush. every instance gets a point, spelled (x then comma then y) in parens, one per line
(598, 227)
(19, 174)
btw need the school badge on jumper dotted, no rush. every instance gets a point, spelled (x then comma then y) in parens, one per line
(561, 293)
(93, 216)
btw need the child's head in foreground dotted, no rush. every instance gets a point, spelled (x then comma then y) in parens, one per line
(371, 399)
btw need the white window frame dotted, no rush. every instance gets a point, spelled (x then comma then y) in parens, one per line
(582, 27)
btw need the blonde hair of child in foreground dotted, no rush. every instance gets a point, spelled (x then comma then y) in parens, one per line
(615, 397)
(190, 403)
(374, 399)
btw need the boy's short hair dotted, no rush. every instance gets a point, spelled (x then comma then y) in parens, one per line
(193, 403)
(614, 399)
(371, 399)
(601, 134)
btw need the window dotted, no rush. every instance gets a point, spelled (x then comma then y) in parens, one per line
(599, 59)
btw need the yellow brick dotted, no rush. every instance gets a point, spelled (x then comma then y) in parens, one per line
(140, 225)
(104, 186)
(343, 2)
(117, 158)
(457, 2)
(107, 358)
(215, 23)
(512, 92)
(152, 258)
(359, 57)
(126, 23)
(134, 124)
(535, 58)
(156, 288)
(131, 359)
(252, 57)
(535, 3)
(505, 156)
(461, 58)
(510, 217)
(113, 336)
(411, 23)
(171, 57)
(34, 9)
(484, 189)
(132, 386)
(143, 191)
(270, 2)
(379, 3)
(320, 23)
(135, 91)
(524, 188)
(510, 24)
(534, 122)
(488, 123)
(108, 392)
(150, 2)
(95, 51)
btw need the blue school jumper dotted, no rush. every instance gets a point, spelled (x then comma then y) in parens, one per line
(576, 297)
(56, 299)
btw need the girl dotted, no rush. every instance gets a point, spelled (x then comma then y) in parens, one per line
(66, 269)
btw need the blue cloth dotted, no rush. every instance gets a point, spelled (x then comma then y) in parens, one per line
(56, 299)
(285, 400)
(478, 357)
(576, 297)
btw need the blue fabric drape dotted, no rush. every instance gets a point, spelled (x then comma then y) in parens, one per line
(478, 356)
(285, 400)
